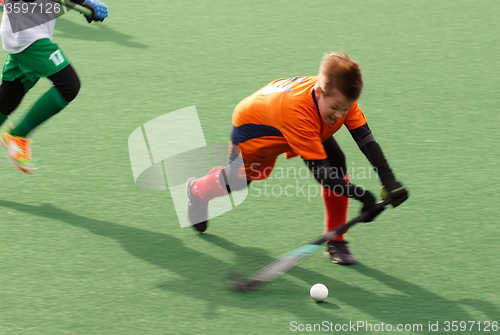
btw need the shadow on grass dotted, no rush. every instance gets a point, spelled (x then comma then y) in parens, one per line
(202, 278)
(202, 274)
(97, 32)
(407, 303)
(416, 303)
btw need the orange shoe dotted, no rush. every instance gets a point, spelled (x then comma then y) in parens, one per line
(18, 151)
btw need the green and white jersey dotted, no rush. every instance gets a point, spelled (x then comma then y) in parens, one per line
(20, 30)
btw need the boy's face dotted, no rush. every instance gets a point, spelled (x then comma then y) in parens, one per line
(332, 107)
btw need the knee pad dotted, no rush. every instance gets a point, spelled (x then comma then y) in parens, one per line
(232, 182)
(67, 83)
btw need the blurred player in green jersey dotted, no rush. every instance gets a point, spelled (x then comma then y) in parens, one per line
(33, 55)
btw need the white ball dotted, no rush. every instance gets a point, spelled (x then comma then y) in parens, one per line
(319, 292)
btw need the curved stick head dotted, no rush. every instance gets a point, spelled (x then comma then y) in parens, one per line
(236, 280)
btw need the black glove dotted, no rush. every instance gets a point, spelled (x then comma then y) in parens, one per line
(368, 201)
(394, 191)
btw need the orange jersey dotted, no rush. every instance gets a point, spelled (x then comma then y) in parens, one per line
(283, 117)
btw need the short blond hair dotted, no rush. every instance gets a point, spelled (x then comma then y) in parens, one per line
(339, 71)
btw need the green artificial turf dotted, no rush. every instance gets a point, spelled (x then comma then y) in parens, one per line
(85, 251)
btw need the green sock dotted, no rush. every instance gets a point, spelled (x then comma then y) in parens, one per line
(3, 117)
(48, 105)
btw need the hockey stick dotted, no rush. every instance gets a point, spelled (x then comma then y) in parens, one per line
(236, 281)
(79, 8)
